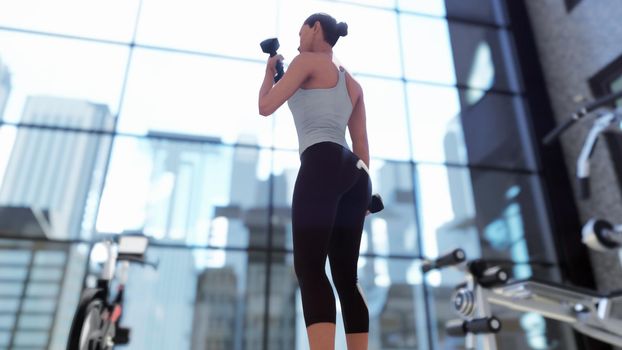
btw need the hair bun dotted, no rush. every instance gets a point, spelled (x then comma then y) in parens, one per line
(342, 29)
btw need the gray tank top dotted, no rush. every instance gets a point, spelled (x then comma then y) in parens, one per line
(321, 114)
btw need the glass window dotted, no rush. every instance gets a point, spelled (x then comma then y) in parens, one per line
(35, 321)
(485, 11)
(46, 303)
(187, 192)
(427, 49)
(231, 28)
(484, 58)
(110, 20)
(388, 4)
(197, 299)
(5, 338)
(386, 118)
(469, 127)
(6, 322)
(12, 289)
(427, 7)
(357, 51)
(56, 81)
(487, 213)
(454, 53)
(195, 95)
(31, 338)
(392, 231)
(49, 178)
(497, 131)
(435, 125)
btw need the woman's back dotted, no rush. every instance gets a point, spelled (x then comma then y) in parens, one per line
(322, 113)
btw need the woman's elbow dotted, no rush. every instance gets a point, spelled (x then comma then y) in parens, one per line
(265, 110)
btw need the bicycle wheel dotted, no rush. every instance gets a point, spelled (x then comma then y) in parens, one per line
(89, 328)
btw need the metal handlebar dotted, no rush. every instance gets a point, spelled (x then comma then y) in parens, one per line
(455, 257)
(580, 113)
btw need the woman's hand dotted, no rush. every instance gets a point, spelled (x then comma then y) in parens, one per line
(271, 66)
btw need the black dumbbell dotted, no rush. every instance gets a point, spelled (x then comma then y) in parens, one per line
(270, 46)
(376, 204)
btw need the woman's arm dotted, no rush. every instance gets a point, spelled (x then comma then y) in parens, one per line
(358, 129)
(271, 97)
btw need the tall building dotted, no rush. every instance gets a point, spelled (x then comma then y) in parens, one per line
(179, 215)
(215, 310)
(247, 215)
(159, 304)
(55, 170)
(5, 86)
(52, 173)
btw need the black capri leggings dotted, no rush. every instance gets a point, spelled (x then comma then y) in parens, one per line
(331, 197)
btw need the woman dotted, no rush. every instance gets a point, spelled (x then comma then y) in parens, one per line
(333, 188)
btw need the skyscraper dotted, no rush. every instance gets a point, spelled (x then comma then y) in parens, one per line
(248, 214)
(56, 170)
(184, 166)
(215, 312)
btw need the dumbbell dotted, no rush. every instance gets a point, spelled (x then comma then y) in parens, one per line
(270, 46)
(376, 204)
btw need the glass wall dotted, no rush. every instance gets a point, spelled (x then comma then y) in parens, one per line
(141, 115)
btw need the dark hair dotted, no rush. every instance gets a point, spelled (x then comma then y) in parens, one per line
(332, 30)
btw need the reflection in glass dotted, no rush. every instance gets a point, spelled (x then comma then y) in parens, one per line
(194, 95)
(488, 214)
(51, 178)
(485, 11)
(427, 50)
(55, 68)
(186, 304)
(497, 131)
(428, 7)
(386, 118)
(483, 57)
(435, 125)
(184, 189)
(446, 127)
(451, 53)
(50, 277)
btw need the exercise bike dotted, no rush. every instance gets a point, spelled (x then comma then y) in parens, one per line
(96, 322)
